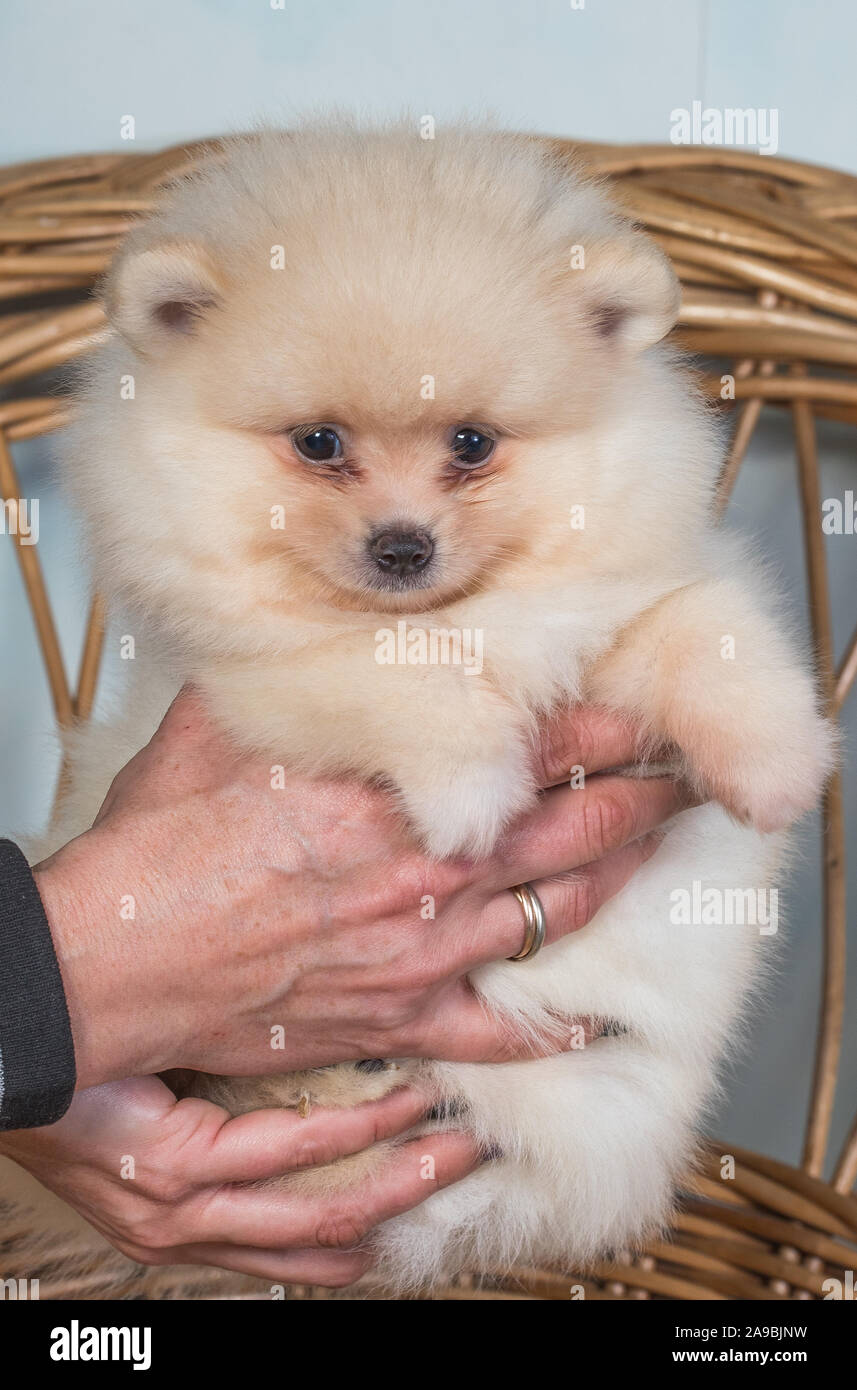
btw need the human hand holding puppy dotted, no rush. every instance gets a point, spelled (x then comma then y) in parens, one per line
(301, 908)
(275, 930)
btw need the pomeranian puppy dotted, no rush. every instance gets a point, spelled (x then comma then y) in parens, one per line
(384, 386)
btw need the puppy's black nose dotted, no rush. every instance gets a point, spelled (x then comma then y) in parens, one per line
(400, 552)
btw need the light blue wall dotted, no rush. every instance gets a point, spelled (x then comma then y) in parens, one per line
(71, 69)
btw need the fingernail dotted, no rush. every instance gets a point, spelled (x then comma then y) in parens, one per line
(689, 796)
(492, 1152)
(446, 1110)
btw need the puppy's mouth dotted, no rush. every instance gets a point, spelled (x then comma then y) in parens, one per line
(412, 598)
(401, 584)
(413, 594)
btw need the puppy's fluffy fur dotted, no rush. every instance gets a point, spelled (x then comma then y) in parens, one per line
(426, 285)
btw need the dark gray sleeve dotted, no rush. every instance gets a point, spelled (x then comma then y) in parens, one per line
(37, 1072)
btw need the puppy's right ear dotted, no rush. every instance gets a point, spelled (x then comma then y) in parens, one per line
(158, 294)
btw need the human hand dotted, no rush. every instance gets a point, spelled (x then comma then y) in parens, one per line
(307, 907)
(183, 1202)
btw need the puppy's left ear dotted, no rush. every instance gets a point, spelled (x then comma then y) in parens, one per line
(630, 291)
(155, 295)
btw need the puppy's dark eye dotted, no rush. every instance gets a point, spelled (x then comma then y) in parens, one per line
(318, 445)
(471, 447)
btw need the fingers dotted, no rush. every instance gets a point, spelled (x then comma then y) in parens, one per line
(462, 1029)
(270, 1217)
(333, 1269)
(570, 901)
(587, 737)
(270, 1143)
(576, 825)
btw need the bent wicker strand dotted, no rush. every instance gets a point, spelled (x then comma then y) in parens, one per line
(766, 249)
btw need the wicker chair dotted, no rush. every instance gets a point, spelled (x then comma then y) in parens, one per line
(767, 252)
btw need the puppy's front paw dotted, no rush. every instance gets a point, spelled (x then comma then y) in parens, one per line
(766, 774)
(462, 810)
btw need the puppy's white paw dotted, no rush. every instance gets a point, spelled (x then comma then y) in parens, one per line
(462, 810)
(768, 777)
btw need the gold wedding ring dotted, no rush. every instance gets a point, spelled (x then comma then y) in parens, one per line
(534, 918)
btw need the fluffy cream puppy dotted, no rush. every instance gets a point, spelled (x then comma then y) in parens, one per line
(388, 392)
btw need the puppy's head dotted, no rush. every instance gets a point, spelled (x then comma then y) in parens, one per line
(360, 358)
